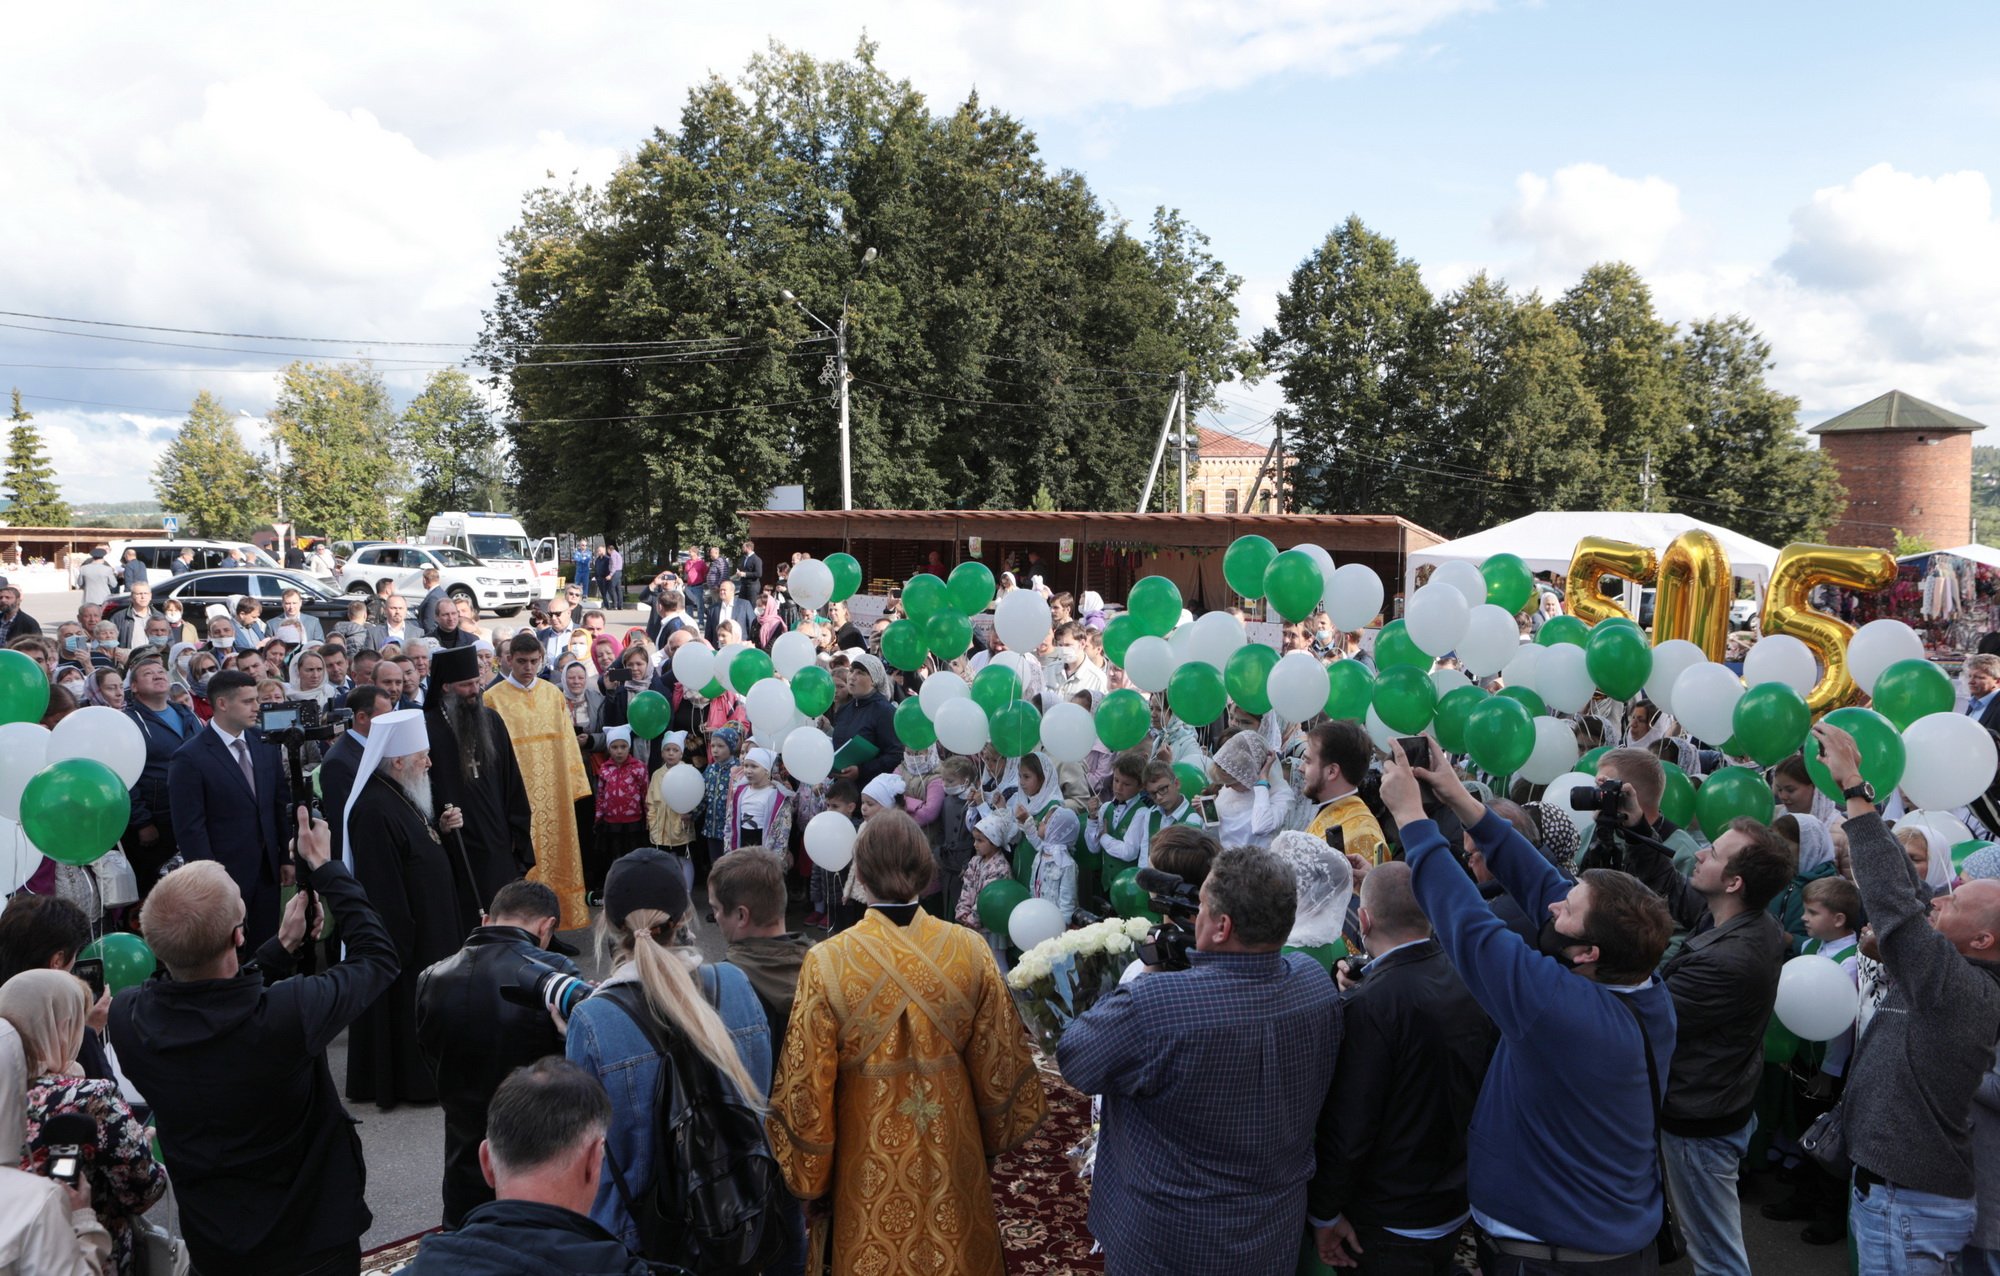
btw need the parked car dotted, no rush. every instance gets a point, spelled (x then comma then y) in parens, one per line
(159, 554)
(195, 591)
(503, 587)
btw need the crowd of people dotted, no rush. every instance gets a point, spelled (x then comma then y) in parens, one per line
(1411, 1011)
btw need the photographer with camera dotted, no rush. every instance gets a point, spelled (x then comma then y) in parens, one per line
(1211, 1080)
(232, 802)
(1643, 783)
(1562, 1158)
(473, 1034)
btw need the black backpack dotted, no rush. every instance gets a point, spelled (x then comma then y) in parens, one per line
(715, 1185)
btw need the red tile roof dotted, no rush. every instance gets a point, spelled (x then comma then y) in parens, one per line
(1217, 444)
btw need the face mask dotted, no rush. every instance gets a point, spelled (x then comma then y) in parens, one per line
(105, 645)
(958, 790)
(1068, 654)
(160, 641)
(73, 685)
(200, 687)
(1323, 637)
(1553, 943)
(74, 642)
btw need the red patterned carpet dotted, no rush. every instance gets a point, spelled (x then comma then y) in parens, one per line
(1042, 1206)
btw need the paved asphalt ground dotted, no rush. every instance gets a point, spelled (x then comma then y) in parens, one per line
(405, 1147)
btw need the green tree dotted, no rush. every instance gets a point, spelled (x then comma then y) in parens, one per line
(28, 480)
(1742, 461)
(1986, 495)
(336, 429)
(209, 478)
(1628, 364)
(448, 445)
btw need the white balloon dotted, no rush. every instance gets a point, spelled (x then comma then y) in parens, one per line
(771, 705)
(1181, 643)
(1214, 638)
(104, 734)
(1705, 699)
(830, 840)
(810, 583)
(683, 788)
(791, 653)
(1353, 596)
(694, 665)
(1671, 659)
(1951, 760)
(1436, 618)
(1524, 668)
(1492, 638)
(1557, 796)
(1555, 750)
(1950, 829)
(808, 755)
(940, 689)
(1463, 577)
(1781, 658)
(727, 657)
(1068, 732)
(1877, 645)
(1816, 999)
(1011, 660)
(1324, 559)
(1022, 619)
(1298, 686)
(18, 857)
(1033, 920)
(961, 725)
(1150, 663)
(1562, 679)
(774, 737)
(24, 751)
(1449, 680)
(1379, 731)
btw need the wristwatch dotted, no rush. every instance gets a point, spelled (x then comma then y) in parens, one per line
(1864, 790)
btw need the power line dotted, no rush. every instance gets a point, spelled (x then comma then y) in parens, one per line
(355, 341)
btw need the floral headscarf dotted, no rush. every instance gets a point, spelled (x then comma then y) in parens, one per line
(1559, 841)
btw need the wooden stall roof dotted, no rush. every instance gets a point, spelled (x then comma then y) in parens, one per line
(1382, 532)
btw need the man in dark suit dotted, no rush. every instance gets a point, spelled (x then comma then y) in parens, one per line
(750, 570)
(343, 761)
(1389, 1190)
(232, 802)
(1982, 684)
(729, 607)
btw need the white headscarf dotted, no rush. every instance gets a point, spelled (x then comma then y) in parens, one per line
(1059, 835)
(885, 789)
(1939, 873)
(322, 693)
(1325, 886)
(1815, 844)
(997, 829)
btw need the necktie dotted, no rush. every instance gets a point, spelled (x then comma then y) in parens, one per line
(243, 761)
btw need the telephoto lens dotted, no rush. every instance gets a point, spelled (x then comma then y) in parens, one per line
(561, 992)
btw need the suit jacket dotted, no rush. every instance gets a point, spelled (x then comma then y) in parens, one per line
(130, 622)
(217, 817)
(1989, 717)
(308, 625)
(1414, 1047)
(337, 769)
(739, 611)
(407, 634)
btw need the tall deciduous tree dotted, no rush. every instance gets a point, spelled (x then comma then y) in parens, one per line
(209, 478)
(1628, 363)
(29, 481)
(336, 429)
(447, 443)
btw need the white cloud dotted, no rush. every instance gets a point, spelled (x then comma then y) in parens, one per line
(1586, 213)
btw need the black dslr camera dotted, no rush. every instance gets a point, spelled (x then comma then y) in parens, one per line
(293, 722)
(1607, 797)
(1168, 945)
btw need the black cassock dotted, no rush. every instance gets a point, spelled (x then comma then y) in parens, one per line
(420, 886)
(499, 824)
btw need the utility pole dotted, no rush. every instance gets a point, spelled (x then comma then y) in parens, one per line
(1159, 452)
(1180, 397)
(841, 379)
(1278, 444)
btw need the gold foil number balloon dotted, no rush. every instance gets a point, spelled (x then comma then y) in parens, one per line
(1787, 610)
(1695, 587)
(1597, 557)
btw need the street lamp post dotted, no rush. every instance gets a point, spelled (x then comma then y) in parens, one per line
(840, 376)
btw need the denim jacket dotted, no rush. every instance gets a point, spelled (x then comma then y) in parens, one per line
(603, 1039)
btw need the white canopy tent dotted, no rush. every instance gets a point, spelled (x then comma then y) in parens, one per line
(1984, 555)
(1547, 541)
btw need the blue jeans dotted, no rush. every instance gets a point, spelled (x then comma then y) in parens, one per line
(1701, 1175)
(1899, 1231)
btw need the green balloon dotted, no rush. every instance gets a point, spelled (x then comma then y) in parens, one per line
(1017, 730)
(1882, 755)
(1771, 722)
(1405, 699)
(1963, 849)
(1910, 689)
(1350, 689)
(971, 587)
(1509, 583)
(73, 810)
(1499, 734)
(998, 900)
(648, 715)
(1677, 802)
(1246, 674)
(714, 690)
(128, 961)
(1587, 764)
(1155, 605)
(1123, 719)
(904, 646)
(812, 691)
(1130, 898)
(1294, 584)
(1619, 658)
(1393, 647)
(923, 596)
(1245, 562)
(1732, 792)
(1196, 694)
(1191, 778)
(947, 633)
(1563, 629)
(1530, 700)
(1120, 632)
(846, 569)
(995, 687)
(24, 688)
(749, 667)
(912, 727)
(1454, 710)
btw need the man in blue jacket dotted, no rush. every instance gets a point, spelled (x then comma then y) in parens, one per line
(1562, 1159)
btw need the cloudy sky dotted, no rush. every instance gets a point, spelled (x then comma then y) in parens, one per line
(1825, 168)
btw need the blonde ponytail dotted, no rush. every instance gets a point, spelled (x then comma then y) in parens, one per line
(670, 989)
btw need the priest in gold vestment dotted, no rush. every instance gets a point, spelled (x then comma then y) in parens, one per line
(544, 737)
(905, 1067)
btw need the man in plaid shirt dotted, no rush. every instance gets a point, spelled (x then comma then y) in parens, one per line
(1212, 1080)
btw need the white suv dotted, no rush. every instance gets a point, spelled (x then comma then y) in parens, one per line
(503, 587)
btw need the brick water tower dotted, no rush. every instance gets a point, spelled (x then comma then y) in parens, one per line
(1907, 466)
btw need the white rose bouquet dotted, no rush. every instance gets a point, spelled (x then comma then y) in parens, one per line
(1058, 979)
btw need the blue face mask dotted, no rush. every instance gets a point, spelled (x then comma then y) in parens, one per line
(200, 687)
(75, 642)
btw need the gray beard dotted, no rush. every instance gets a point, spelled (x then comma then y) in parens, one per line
(467, 716)
(418, 791)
